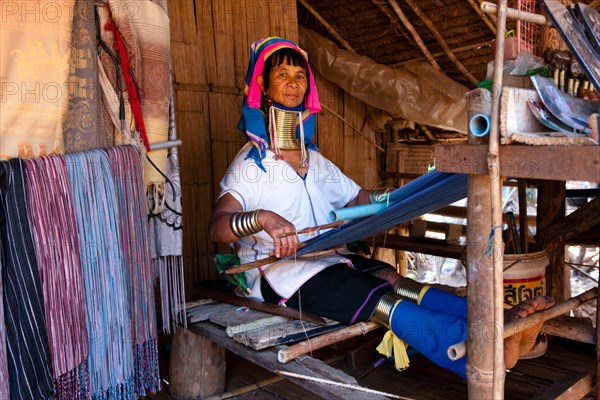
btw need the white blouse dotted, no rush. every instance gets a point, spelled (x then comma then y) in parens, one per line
(305, 202)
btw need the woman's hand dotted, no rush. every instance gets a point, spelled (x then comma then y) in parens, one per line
(275, 225)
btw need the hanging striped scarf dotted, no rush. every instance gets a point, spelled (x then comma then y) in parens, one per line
(28, 357)
(4, 388)
(133, 226)
(57, 252)
(95, 202)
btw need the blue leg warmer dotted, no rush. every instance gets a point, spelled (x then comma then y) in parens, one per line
(430, 333)
(444, 302)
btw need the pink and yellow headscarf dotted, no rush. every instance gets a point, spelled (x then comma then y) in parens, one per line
(253, 121)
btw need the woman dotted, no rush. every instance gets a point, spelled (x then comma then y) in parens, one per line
(279, 183)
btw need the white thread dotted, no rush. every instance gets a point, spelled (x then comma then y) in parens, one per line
(340, 384)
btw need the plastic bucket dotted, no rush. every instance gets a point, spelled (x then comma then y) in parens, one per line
(525, 278)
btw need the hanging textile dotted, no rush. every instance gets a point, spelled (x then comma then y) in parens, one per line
(142, 35)
(29, 368)
(34, 67)
(57, 252)
(421, 196)
(111, 370)
(166, 230)
(4, 388)
(83, 125)
(133, 227)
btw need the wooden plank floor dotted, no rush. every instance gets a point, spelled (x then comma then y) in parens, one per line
(421, 381)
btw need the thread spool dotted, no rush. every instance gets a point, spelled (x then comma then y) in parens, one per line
(479, 125)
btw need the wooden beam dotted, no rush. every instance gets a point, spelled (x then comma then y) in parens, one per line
(477, 8)
(425, 245)
(440, 39)
(565, 163)
(411, 29)
(512, 13)
(572, 330)
(575, 223)
(329, 28)
(574, 387)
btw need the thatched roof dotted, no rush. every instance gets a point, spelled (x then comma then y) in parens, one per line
(380, 29)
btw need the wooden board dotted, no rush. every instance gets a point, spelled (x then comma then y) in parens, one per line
(562, 163)
(287, 332)
(242, 319)
(203, 312)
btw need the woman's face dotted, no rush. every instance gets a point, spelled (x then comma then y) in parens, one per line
(287, 84)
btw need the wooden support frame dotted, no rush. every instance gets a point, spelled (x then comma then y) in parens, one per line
(429, 24)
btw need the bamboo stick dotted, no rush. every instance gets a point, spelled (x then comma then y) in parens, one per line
(476, 7)
(493, 160)
(302, 348)
(269, 260)
(512, 13)
(430, 25)
(368, 139)
(518, 325)
(329, 28)
(411, 29)
(312, 229)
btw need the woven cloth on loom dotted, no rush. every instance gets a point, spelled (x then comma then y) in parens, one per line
(127, 173)
(28, 355)
(95, 202)
(57, 253)
(421, 196)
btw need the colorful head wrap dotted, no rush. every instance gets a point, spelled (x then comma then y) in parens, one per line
(253, 118)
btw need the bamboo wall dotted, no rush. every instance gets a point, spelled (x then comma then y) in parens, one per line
(210, 50)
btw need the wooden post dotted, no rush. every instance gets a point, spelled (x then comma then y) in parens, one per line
(481, 288)
(197, 366)
(551, 209)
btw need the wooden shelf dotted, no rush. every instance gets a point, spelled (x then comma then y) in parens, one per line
(559, 163)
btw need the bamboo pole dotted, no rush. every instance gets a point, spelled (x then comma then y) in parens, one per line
(496, 200)
(302, 348)
(312, 229)
(519, 325)
(440, 39)
(329, 28)
(476, 7)
(512, 13)
(411, 29)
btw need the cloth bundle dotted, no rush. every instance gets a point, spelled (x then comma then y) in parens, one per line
(78, 254)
